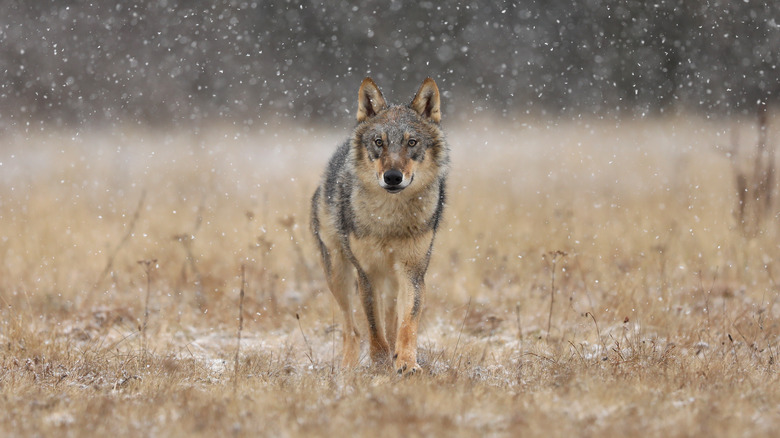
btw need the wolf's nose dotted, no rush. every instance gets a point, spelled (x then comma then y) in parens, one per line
(393, 177)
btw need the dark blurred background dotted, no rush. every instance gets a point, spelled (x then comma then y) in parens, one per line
(68, 62)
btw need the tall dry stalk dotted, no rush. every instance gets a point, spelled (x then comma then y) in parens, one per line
(125, 238)
(755, 186)
(186, 240)
(148, 266)
(554, 256)
(240, 324)
(460, 332)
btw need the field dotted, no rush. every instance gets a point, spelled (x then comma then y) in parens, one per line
(123, 253)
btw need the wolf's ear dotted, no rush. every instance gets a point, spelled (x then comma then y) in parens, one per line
(370, 100)
(426, 102)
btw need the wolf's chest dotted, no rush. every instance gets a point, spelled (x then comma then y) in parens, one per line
(392, 216)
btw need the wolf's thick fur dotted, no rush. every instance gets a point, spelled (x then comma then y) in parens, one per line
(375, 214)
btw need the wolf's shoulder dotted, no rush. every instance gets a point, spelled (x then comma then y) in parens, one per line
(337, 170)
(339, 158)
(337, 164)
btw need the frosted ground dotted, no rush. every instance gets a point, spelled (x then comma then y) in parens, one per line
(664, 320)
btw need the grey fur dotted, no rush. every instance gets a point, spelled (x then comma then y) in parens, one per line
(388, 137)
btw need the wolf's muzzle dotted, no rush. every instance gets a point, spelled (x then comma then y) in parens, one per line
(393, 181)
(393, 177)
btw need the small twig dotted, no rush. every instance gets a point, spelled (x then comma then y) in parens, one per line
(734, 350)
(538, 356)
(617, 349)
(554, 255)
(463, 324)
(310, 354)
(579, 353)
(598, 332)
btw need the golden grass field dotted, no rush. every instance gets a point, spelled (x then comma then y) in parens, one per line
(664, 320)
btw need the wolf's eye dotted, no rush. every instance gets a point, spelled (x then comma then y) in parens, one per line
(412, 143)
(379, 142)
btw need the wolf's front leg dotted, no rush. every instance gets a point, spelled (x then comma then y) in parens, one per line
(414, 258)
(372, 265)
(368, 286)
(340, 275)
(413, 294)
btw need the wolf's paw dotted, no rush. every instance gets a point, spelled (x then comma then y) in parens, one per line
(406, 370)
(406, 367)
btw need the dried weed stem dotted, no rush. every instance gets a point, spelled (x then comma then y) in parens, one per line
(186, 241)
(125, 238)
(240, 324)
(755, 187)
(554, 255)
(148, 266)
(310, 352)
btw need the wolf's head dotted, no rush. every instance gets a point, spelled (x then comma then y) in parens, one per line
(398, 145)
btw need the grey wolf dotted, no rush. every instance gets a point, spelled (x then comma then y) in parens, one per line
(375, 216)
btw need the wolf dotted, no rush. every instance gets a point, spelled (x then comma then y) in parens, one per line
(374, 217)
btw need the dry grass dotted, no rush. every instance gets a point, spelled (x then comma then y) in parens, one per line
(664, 321)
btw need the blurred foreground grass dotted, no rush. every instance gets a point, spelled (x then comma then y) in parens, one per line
(664, 321)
